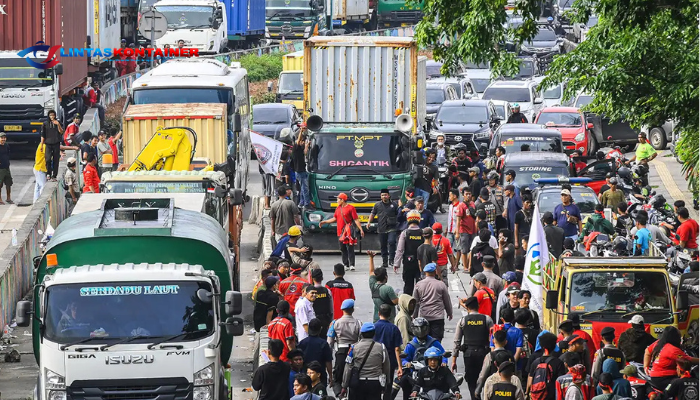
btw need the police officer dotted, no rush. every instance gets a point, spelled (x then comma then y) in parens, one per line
(504, 388)
(435, 376)
(407, 251)
(374, 374)
(323, 306)
(344, 331)
(609, 350)
(472, 338)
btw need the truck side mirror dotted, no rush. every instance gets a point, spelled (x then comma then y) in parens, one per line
(416, 143)
(58, 69)
(418, 157)
(236, 196)
(237, 122)
(552, 300)
(234, 303)
(24, 312)
(220, 192)
(681, 302)
(234, 326)
(270, 85)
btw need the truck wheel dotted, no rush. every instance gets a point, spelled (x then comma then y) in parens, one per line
(657, 137)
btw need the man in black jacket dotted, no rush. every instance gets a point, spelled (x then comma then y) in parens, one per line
(435, 376)
(516, 116)
(386, 212)
(51, 135)
(270, 378)
(554, 235)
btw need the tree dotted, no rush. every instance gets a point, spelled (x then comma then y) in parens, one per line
(640, 60)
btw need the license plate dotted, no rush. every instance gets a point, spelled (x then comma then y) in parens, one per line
(364, 218)
(13, 128)
(405, 25)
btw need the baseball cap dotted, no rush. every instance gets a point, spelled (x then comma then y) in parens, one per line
(605, 379)
(506, 366)
(566, 192)
(574, 339)
(480, 277)
(513, 288)
(427, 232)
(367, 327)
(629, 370)
(437, 226)
(510, 276)
(484, 192)
(471, 302)
(613, 181)
(429, 267)
(384, 191)
(637, 320)
(71, 160)
(474, 170)
(347, 303)
(2, 134)
(510, 187)
(342, 196)
(271, 280)
(510, 172)
(548, 217)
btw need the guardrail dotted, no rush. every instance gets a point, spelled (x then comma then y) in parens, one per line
(117, 88)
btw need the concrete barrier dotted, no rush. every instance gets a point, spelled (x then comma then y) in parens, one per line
(16, 265)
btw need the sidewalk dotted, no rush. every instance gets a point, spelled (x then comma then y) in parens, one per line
(666, 178)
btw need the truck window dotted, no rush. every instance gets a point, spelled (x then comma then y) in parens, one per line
(15, 72)
(179, 17)
(618, 293)
(360, 153)
(118, 310)
(184, 95)
(287, 8)
(291, 83)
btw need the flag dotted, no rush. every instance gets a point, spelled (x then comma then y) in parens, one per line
(535, 260)
(268, 151)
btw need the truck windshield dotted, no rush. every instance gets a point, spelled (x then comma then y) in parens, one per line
(287, 8)
(525, 176)
(515, 144)
(157, 187)
(125, 309)
(145, 5)
(183, 95)
(357, 154)
(17, 73)
(187, 16)
(291, 83)
(620, 292)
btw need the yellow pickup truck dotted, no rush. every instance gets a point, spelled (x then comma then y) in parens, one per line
(290, 85)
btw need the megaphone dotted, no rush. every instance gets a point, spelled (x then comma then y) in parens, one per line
(404, 123)
(314, 123)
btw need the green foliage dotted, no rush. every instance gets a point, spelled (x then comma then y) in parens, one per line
(266, 97)
(688, 150)
(264, 67)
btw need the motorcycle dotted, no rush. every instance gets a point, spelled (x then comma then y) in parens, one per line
(436, 394)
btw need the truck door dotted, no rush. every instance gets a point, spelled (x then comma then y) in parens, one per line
(562, 309)
(597, 171)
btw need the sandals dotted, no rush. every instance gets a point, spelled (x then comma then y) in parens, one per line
(9, 202)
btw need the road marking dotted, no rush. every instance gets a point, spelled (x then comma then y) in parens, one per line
(13, 207)
(669, 183)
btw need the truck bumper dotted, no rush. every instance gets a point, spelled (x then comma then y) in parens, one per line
(21, 130)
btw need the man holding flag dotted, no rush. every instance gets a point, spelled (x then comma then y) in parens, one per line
(536, 258)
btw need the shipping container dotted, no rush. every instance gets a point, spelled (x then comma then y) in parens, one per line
(207, 120)
(350, 9)
(103, 26)
(245, 17)
(293, 61)
(364, 79)
(56, 23)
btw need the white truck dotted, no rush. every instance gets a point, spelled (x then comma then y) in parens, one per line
(201, 24)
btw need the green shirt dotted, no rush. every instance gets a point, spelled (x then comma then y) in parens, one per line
(382, 294)
(644, 150)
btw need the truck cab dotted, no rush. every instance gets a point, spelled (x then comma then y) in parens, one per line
(290, 85)
(393, 13)
(608, 292)
(201, 24)
(294, 19)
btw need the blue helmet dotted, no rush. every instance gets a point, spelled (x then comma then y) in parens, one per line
(433, 352)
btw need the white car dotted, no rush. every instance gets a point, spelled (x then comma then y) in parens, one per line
(554, 95)
(524, 93)
(480, 79)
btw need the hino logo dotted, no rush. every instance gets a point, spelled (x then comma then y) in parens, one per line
(82, 356)
(2, 9)
(327, 187)
(112, 360)
(359, 194)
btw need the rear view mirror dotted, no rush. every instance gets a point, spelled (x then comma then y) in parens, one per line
(681, 301)
(24, 313)
(58, 69)
(234, 326)
(552, 300)
(234, 303)
(236, 196)
(220, 192)
(237, 122)
(538, 100)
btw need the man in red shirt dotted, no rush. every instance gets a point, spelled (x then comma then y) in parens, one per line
(467, 225)
(90, 176)
(444, 252)
(92, 100)
(291, 287)
(483, 294)
(341, 290)
(688, 231)
(72, 129)
(282, 329)
(115, 152)
(345, 215)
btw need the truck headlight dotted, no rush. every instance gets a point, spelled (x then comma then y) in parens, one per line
(211, 45)
(579, 137)
(54, 380)
(202, 393)
(57, 395)
(49, 105)
(204, 376)
(307, 29)
(314, 218)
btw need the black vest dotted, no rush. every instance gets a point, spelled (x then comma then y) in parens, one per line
(322, 304)
(615, 354)
(503, 391)
(414, 238)
(475, 331)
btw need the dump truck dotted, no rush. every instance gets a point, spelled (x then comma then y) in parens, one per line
(363, 99)
(290, 85)
(134, 301)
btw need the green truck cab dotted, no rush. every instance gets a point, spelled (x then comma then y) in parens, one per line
(293, 19)
(395, 13)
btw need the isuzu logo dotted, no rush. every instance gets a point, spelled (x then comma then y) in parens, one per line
(113, 360)
(359, 194)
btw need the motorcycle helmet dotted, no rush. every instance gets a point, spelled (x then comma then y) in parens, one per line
(621, 246)
(433, 352)
(493, 175)
(659, 201)
(458, 147)
(420, 327)
(624, 173)
(640, 170)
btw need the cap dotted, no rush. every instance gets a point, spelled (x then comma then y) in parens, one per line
(510, 172)
(2, 134)
(472, 302)
(489, 259)
(510, 276)
(506, 366)
(609, 175)
(437, 226)
(629, 370)
(271, 280)
(342, 196)
(513, 288)
(484, 192)
(567, 325)
(427, 232)
(566, 192)
(367, 327)
(613, 181)
(548, 216)
(480, 277)
(317, 273)
(384, 191)
(605, 379)
(123, 40)
(430, 267)
(475, 170)
(574, 339)
(637, 320)
(71, 160)
(608, 330)
(347, 303)
(419, 199)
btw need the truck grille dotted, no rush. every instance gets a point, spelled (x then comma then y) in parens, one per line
(327, 197)
(407, 15)
(148, 389)
(285, 30)
(12, 112)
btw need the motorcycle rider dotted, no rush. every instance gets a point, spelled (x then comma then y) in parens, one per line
(435, 376)
(597, 223)
(624, 223)
(415, 352)
(443, 153)
(462, 162)
(427, 173)
(516, 116)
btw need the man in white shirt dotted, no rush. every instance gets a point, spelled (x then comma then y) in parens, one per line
(304, 311)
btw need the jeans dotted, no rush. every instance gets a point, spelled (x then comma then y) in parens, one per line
(348, 254)
(424, 194)
(387, 241)
(451, 238)
(53, 156)
(40, 178)
(304, 196)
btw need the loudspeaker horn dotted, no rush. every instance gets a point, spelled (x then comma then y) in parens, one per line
(404, 123)
(314, 123)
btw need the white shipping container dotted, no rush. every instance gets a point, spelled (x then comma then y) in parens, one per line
(364, 79)
(350, 9)
(103, 25)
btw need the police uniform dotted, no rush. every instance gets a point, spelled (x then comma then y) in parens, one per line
(373, 374)
(413, 238)
(344, 331)
(608, 351)
(503, 391)
(472, 338)
(323, 308)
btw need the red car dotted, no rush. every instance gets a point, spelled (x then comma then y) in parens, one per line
(576, 133)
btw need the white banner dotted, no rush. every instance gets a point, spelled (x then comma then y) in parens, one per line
(268, 151)
(536, 258)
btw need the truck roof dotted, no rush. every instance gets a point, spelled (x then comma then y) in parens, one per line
(615, 262)
(121, 272)
(200, 72)
(217, 177)
(185, 201)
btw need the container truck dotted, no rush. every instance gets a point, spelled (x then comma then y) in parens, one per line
(297, 19)
(201, 24)
(151, 314)
(290, 85)
(104, 32)
(246, 23)
(354, 90)
(27, 93)
(394, 13)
